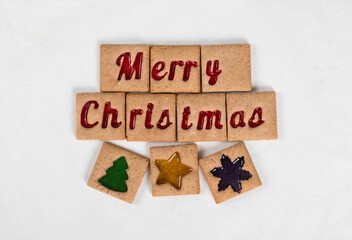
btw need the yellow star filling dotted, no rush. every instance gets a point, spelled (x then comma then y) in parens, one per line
(172, 171)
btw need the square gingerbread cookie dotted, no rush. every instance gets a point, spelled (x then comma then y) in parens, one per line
(226, 68)
(100, 116)
(230, 172)
(118, 172)
(151, 117)
(124, 68)
(174, 170)
(251, 116)
(174, 69)
(201, 117)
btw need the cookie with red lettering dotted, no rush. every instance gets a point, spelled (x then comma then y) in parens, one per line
(151, 117)
(201, 117)
(230, 172)
(226, 68)
(174, 69)
(118, 172)
(100, 116)
(174, 170)
(251, 116)
(124, 68)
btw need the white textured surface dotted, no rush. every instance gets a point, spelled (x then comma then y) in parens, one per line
(50, 50)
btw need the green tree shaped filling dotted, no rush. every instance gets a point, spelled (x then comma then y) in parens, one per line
(116, 176)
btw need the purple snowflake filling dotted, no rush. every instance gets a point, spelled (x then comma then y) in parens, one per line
(231, 173)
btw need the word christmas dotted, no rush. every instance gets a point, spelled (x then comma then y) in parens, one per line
(190, 117)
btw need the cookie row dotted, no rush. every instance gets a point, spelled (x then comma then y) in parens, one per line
(181, 117)
(174, 171)
(175, 69)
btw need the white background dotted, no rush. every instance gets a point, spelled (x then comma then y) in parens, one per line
(50, 50)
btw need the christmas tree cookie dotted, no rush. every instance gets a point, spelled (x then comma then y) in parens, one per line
(118, 172)
(116, 176)
(174, 170)
(230, 172)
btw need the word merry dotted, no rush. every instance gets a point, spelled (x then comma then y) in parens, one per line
(175, 69)
(127, 68)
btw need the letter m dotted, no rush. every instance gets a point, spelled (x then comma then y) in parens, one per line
(209, 115)
(127, 68)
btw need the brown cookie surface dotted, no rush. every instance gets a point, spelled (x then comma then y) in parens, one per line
(174, 69)
(137, 166)
(100, 116)
(212, 161)
(124, 68)
(188, 159)
(234, 62)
